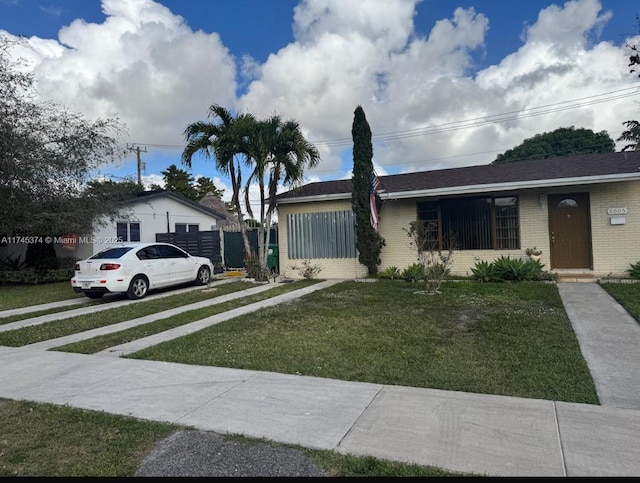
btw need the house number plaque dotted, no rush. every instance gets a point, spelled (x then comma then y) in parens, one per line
(617, 211)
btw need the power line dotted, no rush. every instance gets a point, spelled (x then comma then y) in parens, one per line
(474, 122)
(494, 118)
(460, 125)
(430, 160)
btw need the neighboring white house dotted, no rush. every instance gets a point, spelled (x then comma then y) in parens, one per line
(148, 213)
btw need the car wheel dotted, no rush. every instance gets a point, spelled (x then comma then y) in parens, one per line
(204, 276)
(94, 295)
(138, 287)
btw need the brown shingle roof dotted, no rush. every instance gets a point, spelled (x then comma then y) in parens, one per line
(563, 168)
(214, 203)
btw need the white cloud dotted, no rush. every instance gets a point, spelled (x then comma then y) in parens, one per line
(152, 179)
(145, 65)
(410, 84)
(387, 23)
(568, 27)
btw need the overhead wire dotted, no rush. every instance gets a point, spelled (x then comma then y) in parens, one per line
(471, 123)
(495, 118)
(464, 124)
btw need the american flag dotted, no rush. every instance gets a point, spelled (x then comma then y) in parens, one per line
(375, 184)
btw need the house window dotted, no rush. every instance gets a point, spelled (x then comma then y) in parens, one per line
(186, 228)
(568, 203)
(507, 223)
(429, 213)
(321, 235)
(128, 231)
(482, 223)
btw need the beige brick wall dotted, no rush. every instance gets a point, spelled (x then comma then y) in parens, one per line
(341, 268)
(534, 224)
(395, 217)
(614, 247)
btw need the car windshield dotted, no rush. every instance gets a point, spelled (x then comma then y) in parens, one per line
(116, 252)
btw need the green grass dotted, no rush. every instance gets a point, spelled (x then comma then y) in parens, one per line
(49, 440)
(45, 440)
(29, 315)
(495, 338)
(492, 338)
(627, 295)
(103, 342)
(14, 296)
(81, 323)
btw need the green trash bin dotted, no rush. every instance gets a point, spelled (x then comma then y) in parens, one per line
(273, 260)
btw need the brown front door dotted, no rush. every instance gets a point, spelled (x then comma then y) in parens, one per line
(569, 230)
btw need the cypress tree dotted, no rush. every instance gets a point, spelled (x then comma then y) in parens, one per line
(368, 242)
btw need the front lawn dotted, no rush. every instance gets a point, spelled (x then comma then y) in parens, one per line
(512, 339)
(14, 296)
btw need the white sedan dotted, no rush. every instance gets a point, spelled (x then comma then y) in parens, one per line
(136, 268)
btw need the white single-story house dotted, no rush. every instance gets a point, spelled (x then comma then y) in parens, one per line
(581, 211)
(147, 214)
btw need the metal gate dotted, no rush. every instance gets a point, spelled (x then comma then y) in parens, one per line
(201, 243)
(210, 244)
(234, 246)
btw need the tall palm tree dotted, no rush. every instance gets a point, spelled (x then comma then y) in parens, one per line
(279, 153)
(631, 135)
(221, 141)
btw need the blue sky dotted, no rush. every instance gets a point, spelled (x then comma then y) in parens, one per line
(443, 83)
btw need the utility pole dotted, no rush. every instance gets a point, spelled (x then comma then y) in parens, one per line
(140, 163)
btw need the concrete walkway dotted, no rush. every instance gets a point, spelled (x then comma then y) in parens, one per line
(162, 336)
(609, 339)
(89, 306)
(476, 433)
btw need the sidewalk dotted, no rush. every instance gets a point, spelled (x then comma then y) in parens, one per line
(476, 433)
(609, 339)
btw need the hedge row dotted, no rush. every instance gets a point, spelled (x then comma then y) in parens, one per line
(34, 277)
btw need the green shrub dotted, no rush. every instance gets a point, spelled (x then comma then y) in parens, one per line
(390, 273)
(413, 273)
(634, 271)
(255, 270)
(41, 256)
(483, 271)
(514, 269)
(511, 269)
(34, 277)
(535, 266)
(11, 263)
(67, 262)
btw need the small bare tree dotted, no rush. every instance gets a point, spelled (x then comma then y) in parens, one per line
(436, 263)
(307, 269)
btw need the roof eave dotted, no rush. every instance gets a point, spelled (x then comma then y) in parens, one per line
(510, 186)
(316, 198)
(469, 189)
